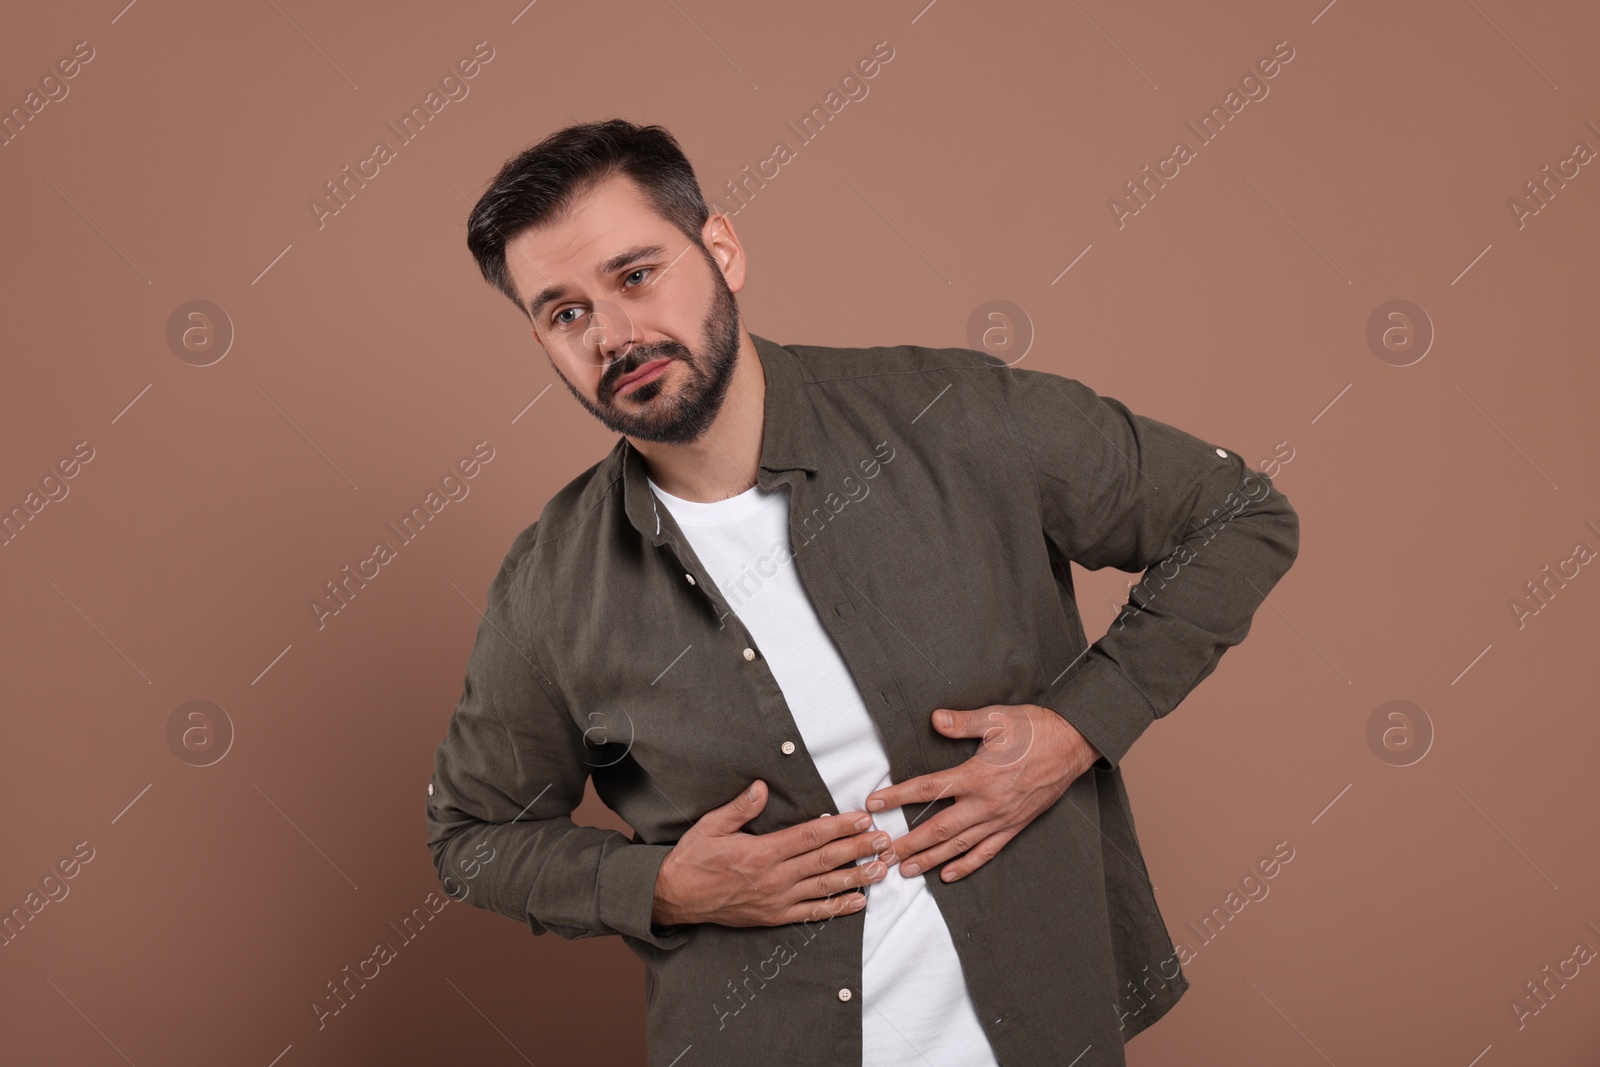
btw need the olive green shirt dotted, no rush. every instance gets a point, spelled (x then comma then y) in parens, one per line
(937, 497)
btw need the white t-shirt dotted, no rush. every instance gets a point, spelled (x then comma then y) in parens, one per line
(916, 1009)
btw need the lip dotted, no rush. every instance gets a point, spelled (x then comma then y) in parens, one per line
(648, 372)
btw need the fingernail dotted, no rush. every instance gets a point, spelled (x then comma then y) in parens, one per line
(890, 857)
(880, 843)
(863, 822)
(874, 805)
(911, 868)
(944, 718)
(875, 869)
(860, 899)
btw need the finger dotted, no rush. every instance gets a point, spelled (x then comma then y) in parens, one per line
(853, 876)
(728, 818)
(983, 722)
(802, 838)
(835, 854)
(920, 790)
(960, 817)
(813, 910)
(953, 833)
(977, 856)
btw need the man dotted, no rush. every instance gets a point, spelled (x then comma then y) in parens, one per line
(749, 620)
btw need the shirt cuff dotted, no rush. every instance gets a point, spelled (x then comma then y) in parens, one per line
(1103, 706)
(628, 894)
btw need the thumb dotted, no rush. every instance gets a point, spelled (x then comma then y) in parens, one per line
(742, 808)
(969, 723)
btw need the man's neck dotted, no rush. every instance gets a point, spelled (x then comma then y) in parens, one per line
(723, 462)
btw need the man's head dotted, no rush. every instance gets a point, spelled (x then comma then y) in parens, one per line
(601, 238)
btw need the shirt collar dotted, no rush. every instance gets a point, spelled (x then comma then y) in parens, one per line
(788, 438)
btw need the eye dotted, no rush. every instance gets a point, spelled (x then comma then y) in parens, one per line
(641, 270)
(557, 320)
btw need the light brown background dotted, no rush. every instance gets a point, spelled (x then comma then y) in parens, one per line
(370, 356)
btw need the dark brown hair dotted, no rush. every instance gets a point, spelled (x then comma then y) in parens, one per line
(543, 182)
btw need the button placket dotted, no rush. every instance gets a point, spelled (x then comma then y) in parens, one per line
(774, 713)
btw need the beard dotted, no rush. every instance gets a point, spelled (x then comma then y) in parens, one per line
(684, 417)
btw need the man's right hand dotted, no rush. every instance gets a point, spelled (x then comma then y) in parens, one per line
(717, 873)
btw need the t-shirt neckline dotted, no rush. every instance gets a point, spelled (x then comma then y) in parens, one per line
(709, 513)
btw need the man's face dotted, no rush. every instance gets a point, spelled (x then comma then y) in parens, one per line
(613, 288)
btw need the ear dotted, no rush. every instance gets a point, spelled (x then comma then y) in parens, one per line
(722, 242)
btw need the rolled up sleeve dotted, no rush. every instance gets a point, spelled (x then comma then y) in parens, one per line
(508, 774)
(1117, 489)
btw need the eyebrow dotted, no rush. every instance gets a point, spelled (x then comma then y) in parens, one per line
(609, 267)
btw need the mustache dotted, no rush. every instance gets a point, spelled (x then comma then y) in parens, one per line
(638, 358)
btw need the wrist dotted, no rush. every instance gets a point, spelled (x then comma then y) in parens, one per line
(663, 911)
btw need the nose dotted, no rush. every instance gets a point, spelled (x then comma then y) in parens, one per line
(611, 331)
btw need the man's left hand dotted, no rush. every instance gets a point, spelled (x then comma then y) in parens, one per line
(1029, 757)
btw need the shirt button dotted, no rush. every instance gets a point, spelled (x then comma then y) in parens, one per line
(690, 577)
(845, 994)
(749, 653)
(787, 747)
(430, 789)
(1222, 453)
